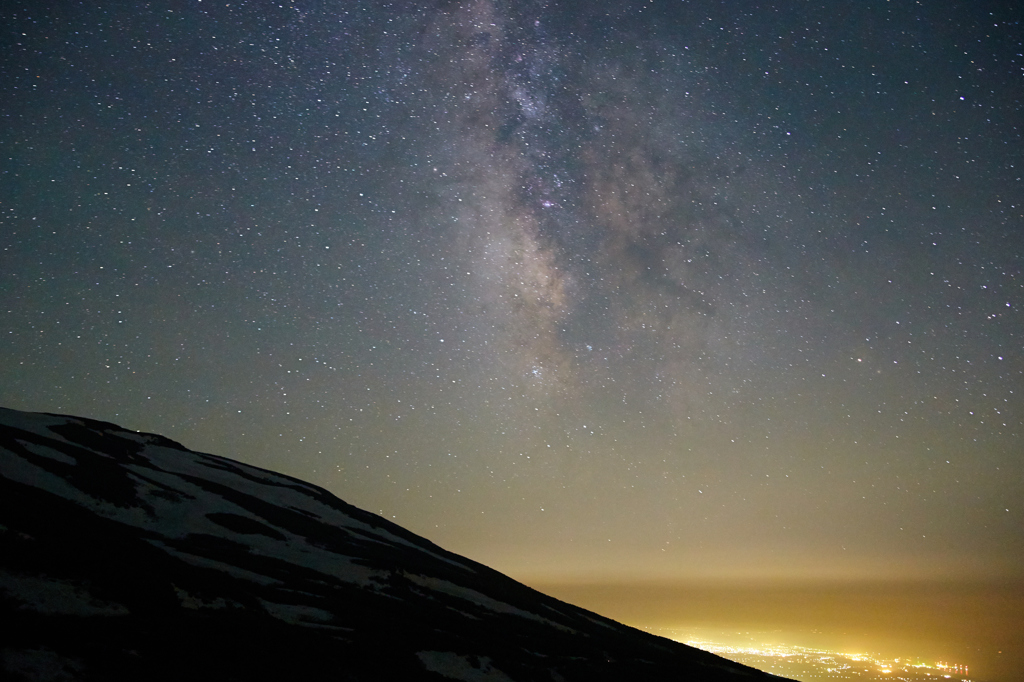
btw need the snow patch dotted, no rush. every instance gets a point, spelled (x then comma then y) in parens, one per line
(51, 596)
(42, 664)
(203, 562)
(49, 453)
(297, 614)
(189, 601)
(478, 598)
(459, 667)
(19, 469)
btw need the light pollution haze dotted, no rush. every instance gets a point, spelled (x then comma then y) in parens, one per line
(635, 302)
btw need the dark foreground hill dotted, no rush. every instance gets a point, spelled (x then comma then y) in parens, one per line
(125, 556)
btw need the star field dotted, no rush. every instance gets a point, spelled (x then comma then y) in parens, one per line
(652, 290)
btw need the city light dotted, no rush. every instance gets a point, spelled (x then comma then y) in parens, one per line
(808, 664)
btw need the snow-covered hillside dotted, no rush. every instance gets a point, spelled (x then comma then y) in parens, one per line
(128, 556)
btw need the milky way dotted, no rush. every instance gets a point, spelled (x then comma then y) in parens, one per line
(590, 234)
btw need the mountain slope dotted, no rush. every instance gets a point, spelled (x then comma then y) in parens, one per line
(127, 556)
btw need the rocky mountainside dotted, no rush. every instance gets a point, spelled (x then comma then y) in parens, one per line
(124, 555)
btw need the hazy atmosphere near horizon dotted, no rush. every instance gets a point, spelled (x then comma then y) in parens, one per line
(619, 298)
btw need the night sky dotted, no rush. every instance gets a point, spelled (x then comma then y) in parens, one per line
(618, 291)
